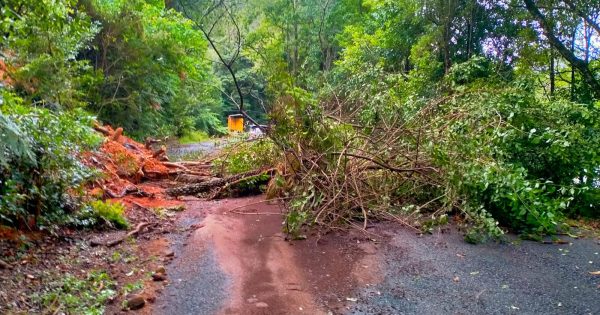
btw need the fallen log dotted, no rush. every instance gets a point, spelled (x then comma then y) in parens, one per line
(184, 165)
(218, 193)
(194, 189)
(191, 163)
(133, 190)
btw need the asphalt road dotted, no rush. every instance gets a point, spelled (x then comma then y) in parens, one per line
(240, 264)
(442, 274)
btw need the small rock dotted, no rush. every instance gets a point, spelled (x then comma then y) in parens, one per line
(161, 269)
(159, 277)
(135, 302)
(252, 300)
(261, 305)
(169, 253)
(151, 299)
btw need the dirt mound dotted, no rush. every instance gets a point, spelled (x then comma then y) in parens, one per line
(141, 175)
(126, 166)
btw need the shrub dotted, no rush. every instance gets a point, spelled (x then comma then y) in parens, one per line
(40, 172)
(111, 212)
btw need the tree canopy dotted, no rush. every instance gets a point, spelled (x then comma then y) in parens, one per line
(488, 109)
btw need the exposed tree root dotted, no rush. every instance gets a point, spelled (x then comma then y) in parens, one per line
(134, 232)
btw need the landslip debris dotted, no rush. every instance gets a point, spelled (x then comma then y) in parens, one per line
(141, 174)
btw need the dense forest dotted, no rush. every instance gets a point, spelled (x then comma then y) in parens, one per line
(405, 110)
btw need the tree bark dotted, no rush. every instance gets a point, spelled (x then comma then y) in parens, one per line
(552, 73)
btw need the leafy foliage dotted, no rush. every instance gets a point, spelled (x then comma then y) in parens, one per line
(135, 64)
(109, 211)
(166, 85)
(193, 137)
(518, 157)
(41, 165)
(242, 156)
(44, 40)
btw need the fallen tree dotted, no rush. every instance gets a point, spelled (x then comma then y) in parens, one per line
(216, 183)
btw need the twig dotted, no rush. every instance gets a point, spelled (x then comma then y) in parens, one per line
(134, 232)
(259, 202)
(5, 265)
(253, 213)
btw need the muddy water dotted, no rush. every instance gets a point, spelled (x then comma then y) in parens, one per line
(241, 264)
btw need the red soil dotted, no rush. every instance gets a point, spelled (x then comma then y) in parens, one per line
(125, 164)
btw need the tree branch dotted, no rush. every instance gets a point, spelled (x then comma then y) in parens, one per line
(580, 13)
(580, 65)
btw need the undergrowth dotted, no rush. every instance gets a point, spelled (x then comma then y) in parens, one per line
(100, 213)
(73, 295)
(41, 175)
(111, 212)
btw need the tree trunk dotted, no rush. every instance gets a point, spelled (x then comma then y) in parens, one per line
(552, 73)
(195, 189)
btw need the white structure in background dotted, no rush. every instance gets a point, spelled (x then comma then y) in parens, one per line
(255, 131)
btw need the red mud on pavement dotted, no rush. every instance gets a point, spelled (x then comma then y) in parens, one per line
(270, 275)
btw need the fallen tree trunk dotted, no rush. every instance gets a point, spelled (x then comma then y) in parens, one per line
(192, 163)
(194, 189)
(186, 165)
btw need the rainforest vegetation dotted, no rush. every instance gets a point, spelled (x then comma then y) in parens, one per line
(403, 110)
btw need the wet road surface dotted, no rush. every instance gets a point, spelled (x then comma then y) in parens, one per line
(238, 262)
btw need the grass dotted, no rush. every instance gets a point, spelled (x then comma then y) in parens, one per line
(193, 137)
(73, 295)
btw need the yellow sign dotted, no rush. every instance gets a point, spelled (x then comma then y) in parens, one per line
(235, 123)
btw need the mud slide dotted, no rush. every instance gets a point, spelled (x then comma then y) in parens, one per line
(239, 263)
